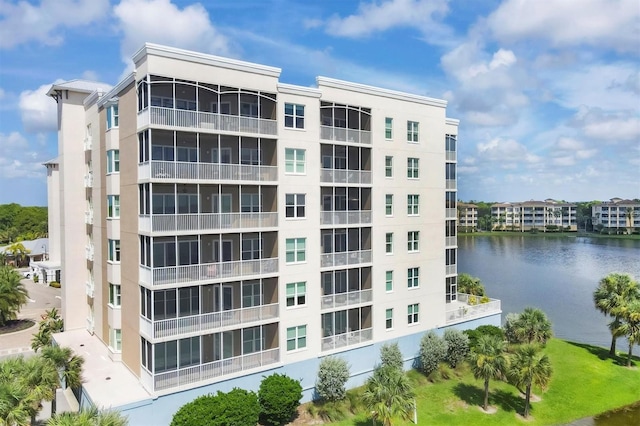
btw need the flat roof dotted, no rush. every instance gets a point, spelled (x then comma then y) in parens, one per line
(108, 383)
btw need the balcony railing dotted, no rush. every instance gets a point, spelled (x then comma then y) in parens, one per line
(88, 217)
(89, 251)
(345, 258)
(207, 271)
(452, 241)
(88, 180)
(169, 117)
(88, 143)
(208, 321)
(347, 339)
(90, 287)
(451, 184)
(206, 221)
(90, 325)
(461, 310)
(451, 269)
(451, 213)
(352, 217)
(450, 155)
(345, 176)
(192, 375)
(174, 170)
(341, 134)
(346, 299)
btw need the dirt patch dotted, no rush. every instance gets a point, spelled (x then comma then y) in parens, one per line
(304, 418)
(490, 409)
(16, 325)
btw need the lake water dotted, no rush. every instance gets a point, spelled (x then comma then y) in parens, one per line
(555, 274)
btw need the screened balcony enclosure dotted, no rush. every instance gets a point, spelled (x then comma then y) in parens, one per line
(346, 287)
(345, 246)
(346, 328)
(345, 164)
(345, 123)
(345, 205)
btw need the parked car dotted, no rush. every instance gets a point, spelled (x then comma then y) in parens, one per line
(27, 274)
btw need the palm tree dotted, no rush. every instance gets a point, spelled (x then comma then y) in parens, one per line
(529, 367)
(630, 214)
(389, 394)
(533, 326)
(40, 377)
(12, 294)
(470, 285)
(557, 214)
(610, 297)
(69, 366)
(630, 326)
(15, 404)
(51, 323)
(19, 252)
(488, 361)
(89, 417)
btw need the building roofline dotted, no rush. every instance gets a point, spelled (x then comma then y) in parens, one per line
(73, 85)
(292, 89)
(203, 58)
(112, 94)
(378, 91)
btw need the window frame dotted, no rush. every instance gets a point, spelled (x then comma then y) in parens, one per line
(388, 247)
(299, 339)
(388, 205)
(294, 115)
(413, 314)
(388, 319)
(113, 206)
(388, 128)
(413, 168)
(113, 249)
(413, 277)
(413, 204)
(299, 254)
(298, 294)
(115, 295)
(413, 241)
(113, 161)
(413, 131)
(388, 281)
(388, 166)
(295, 206)
(296, 165)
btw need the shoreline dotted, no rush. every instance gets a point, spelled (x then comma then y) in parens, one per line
(632, 237)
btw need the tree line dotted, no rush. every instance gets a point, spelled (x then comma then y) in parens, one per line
(20, 223)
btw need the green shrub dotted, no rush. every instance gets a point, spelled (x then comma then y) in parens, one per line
(55, 284)
(36, 278)
(483, 330)
(238, 407)
(279, 397)
(332, 376)
(510, 327)
(433, 349)
(391, 356)
(457, 346)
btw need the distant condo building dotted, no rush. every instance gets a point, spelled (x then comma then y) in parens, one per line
(467, 217)
(616, 216)
(218, 225)
(547, 215)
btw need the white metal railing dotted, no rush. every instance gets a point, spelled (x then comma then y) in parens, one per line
(88, 180)
(201, 372)
(338, 300)
(345, 176)
(345, 135)
(451, 241)
(209, 321)
(170, 117)
(451, 213)
(346, 339)
(451, 183)
(461, 310)
(172, 170)
(450, 156)
(345, 258)
(88, 217)
(90, 325)
(89, 251)
(90, 288)
(451, 269)
(88, 143)
(207, 271)
(349, 217)
(206, 221)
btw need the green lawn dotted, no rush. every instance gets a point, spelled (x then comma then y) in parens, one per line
(585, 382)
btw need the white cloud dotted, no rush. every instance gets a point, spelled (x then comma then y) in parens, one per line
(162, 22)
(612, 127)
(23, 22)
(564, 23)
(90, 75)
(16, 159)
(38, 111)
(2, 93)
(506, 153)
(373, 17)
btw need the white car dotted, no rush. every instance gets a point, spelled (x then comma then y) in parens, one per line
(27, 274)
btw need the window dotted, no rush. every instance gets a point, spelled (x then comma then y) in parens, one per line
(413, 168)
(112, 116)
(114, 294)
(252, 340)
(294, 116)
(114, 250)
(115, 339)
(413, 241)
(388, 128)
(189, 351)
(412, 131)
(296, 250)
(389, 243)
(294, 162)
(413, 313)
(413, 277)
(295, 205)
(165, 356)
(388, 166)
(388, 281)
(388, 319)
(251, 248)
(413, 204)
(249, 203)
(113, 161)
(113, 206)
(296, 337)
(388, 204)
(297, 294)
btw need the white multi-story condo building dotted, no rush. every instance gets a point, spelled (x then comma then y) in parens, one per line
(467, 217)
(528, 215)
(616, 215)
(218, 225)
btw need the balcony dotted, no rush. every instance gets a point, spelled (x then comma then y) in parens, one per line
(451, 269)
(461, 310)
(89, 251)
(88, 143)
(450, 156)
(90, 325)
(339, 300)
(342, 134)
(347, 339)
(88, 180)
(353, 217)
(207, 272)
(345, 176)
(174, 170)
(88, 217)
(345, 258)
(208, 321)
(453, 241)
(451, 213)
(199, 373)
(90, 288)
(185, 119)
(206, 221)
(451, 184)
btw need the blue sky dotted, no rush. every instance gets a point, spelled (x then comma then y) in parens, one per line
(548, 92)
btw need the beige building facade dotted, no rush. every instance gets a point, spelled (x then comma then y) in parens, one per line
(547, 215)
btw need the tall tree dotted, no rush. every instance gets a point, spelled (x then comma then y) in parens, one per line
(528, 367)
(611, 296)
(533, 326)
(630, 326)
(68, 364)
(388, 394)
(19, 253)
(13, 294)
(488, 361)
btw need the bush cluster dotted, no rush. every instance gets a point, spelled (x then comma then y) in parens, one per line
(390, 355)
(279, 397)
(457, 347)
(238, 407)
(332, 377)
(433, 350)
